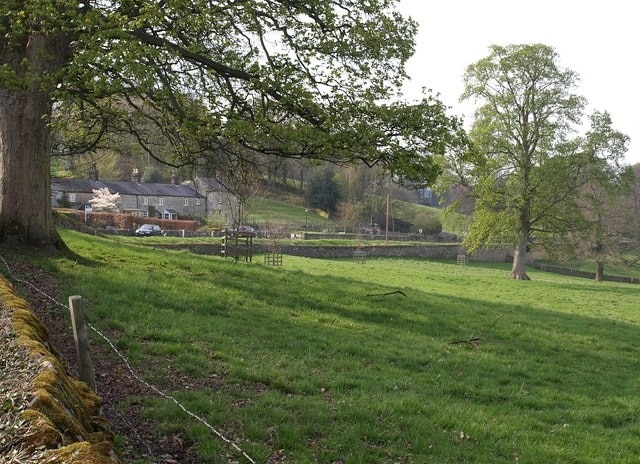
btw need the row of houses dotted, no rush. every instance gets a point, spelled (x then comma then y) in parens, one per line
(195, 198)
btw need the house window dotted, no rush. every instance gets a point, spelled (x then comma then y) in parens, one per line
(72, 198)
(160, 201)
(186, 202)
(197, 201)
(145, 201)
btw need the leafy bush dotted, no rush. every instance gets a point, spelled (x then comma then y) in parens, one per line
(428, 222)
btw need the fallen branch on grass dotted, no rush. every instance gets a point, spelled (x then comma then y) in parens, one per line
(473, 341)
(388, 293)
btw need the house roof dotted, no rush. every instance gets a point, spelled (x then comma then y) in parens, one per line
(124, 188)
(205, 184)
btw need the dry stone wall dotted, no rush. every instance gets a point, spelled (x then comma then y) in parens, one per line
(46, 415)
(442, 251)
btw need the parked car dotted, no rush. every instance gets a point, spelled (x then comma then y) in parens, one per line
(244, 231)
(146, 230)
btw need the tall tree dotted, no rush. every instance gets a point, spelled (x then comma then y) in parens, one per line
(526, 167)
(286, 78)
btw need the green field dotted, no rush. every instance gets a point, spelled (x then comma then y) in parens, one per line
(324, 361)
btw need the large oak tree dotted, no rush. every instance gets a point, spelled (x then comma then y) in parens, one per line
(298, 79)
(528, 167)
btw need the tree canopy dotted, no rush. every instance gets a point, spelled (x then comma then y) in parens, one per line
(527, 166)
(203, 81)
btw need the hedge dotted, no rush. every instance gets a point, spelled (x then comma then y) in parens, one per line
(102, 220)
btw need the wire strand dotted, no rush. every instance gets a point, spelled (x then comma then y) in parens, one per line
(133, 373)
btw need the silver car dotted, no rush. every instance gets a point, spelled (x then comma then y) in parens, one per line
(146, 230)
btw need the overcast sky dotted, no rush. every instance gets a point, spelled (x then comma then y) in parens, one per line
(598, 40)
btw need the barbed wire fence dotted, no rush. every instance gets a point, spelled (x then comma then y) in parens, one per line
(151, 387)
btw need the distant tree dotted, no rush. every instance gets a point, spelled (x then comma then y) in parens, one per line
(604, 200)
(78, 143)
(151, 174)
(635, 196)
(608, 229)
(104, 200)
(108, 165)
(374, 189)
(244, 181)
(322, 191)
(634, 212)
(524, 170)
(216, 220)
(104, 164)
(350, 215)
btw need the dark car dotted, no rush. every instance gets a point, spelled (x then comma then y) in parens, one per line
(146, 230)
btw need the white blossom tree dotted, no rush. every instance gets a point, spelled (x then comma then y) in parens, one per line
(104, 200)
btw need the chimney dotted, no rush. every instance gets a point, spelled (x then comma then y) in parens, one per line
(174, 178)
(135, 176)
(93, 171)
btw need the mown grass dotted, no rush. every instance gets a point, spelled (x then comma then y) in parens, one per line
(311, 360)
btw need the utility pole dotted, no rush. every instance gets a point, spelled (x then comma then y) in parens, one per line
(386, 233)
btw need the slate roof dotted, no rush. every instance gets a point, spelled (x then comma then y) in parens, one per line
(203, 184)
(124, 188)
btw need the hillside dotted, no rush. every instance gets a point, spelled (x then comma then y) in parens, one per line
(287, 208)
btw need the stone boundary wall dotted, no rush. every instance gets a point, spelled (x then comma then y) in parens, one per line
(443, 251)
(584, 274)
(58, 419)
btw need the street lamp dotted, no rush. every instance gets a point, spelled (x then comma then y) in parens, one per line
(306, 215)
(87, 209)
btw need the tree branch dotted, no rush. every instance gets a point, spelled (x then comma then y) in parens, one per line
(400, 292)
(475, 339)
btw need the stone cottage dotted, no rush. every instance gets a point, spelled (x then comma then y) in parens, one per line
(168, 201)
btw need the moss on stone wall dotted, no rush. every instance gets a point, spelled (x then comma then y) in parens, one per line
(65, 424)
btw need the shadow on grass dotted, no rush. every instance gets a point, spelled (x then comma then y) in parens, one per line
(285, 334)
(286, 308)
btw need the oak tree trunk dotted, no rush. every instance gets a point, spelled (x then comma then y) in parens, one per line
(519, 270)
(25, 106)
(25, 189)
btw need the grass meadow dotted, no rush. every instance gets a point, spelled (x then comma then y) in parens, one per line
(325, 361)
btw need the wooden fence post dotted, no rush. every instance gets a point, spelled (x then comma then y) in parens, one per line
(79, 325)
